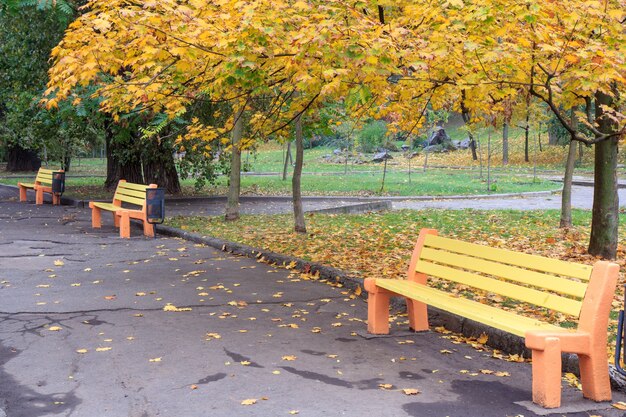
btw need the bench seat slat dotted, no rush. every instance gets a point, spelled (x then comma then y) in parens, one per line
(511, 273)
(507, 289)
(106, 206)
(539, 263)
(491, 316)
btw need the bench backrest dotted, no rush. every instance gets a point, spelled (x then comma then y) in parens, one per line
(549, 283)
(44, 176)
(128, 192)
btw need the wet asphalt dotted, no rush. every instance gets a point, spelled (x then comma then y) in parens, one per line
(94, 325)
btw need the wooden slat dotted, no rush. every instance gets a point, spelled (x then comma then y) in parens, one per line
(512, 273)
(491, 316)
(129, 199)
(133, 186)
(132, 193)
(507, 289)
(106, 206)
(539, 263)
(44, 176)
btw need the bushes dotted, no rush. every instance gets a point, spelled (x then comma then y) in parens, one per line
(372, 137)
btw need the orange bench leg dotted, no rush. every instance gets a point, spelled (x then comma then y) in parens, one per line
(124, 221)
(418, 315)
(148, 229)
(377, 308)
(546, 370)
(96, 218)
(56, 199)
(22, 193)
(38, 196)
(594, 376)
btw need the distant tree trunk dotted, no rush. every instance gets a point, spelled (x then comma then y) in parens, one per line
(20, 159)
(298, 210)
(527, 129)
(128, 169)
(66, 163)
(159, 167)
(234, 186)
(580, 152)
(605, 214)
(505, 143)
(288, 160)
(467, 118)
(566, 196)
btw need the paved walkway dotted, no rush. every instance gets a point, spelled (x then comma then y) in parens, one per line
(85, 331)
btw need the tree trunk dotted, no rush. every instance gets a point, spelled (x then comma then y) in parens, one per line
(472, 143)
(580, 152)
(505, 143)
(287, 159)
(113, 165)
(20, 159)
(526, 140)
(605, 215)
(298, 210)
(234, 186)
(566, 196)
(159, 167)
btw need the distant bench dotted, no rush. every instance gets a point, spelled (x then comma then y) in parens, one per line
(43, 183)
(126, 193)
(552, 285)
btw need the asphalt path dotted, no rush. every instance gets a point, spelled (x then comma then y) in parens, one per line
(85, 330)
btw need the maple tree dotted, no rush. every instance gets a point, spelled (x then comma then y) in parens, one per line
(565, 54)
(162, 57)
(380, 58)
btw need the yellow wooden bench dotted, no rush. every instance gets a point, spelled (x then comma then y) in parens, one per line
(43, 183)
(576, 290)
(126, 193)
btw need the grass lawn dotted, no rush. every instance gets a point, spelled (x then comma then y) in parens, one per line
(85, 180)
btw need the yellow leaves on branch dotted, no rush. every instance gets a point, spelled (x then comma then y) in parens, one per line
(163, 56)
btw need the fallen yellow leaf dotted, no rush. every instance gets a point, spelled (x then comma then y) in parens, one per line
(155, 359)
(249, 401)
(81, 351)
(411, 391)
(103, 349)
(621, 405)
(59, 262)
(55, 328)
(289, 358)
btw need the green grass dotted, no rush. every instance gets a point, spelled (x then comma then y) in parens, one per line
(439, 183)
(85, 180)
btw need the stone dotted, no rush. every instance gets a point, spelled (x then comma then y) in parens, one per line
(337, 152)
(438, 136)
(381, 156)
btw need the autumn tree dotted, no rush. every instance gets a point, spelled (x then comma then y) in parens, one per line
(162, 57)
(565, 54)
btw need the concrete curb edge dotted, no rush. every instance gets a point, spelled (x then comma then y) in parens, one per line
(497, 339)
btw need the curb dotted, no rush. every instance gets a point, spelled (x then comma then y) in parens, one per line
(497, 339)
(84, 203)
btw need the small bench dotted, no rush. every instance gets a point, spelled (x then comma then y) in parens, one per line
(549, 285)
(131, 194)
(43, 183)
